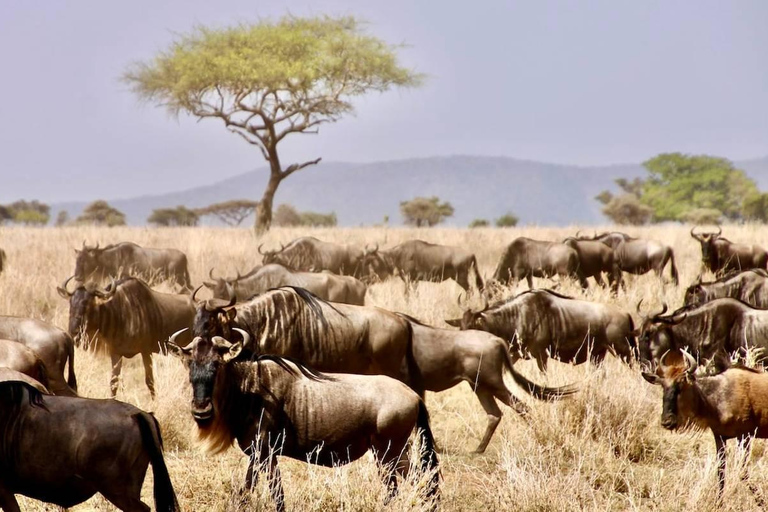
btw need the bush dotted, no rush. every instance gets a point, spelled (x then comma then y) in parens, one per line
(425, 211)
(479, 223)
(507, 221)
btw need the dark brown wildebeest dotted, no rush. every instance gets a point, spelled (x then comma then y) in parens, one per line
(53, 345)
(72, 448)
(638, 256)
(733, 404)
(750, 286)
(445, 358)
(542, 323)
(291, 322)
(327, 286)
(308, 254)
(17, 357)
(720, 255)
(272, 406)
(594, 259)
(128, 318)
(127, 259)
(416, 260)
(526, 258)
(711, 331)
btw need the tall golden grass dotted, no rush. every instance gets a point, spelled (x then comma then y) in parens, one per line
(602, 449)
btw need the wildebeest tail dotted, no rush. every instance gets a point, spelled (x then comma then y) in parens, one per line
(631, 340)
(673, 268)
(71, 379)
(535, 390)
(429, 463)
(478, 279)
(165, 497)
(414, 380)
(42, 374)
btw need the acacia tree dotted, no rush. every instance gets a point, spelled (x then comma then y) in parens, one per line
(268, 80)
(425, 211)
(232, 212)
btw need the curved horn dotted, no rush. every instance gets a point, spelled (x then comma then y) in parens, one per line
(664, 309)
(663, 357)
(245, 335)
(719, 230)
(259, 249)
(214, 304)
(577, 233)
(231, 295)
(695, 235)
(690, 362)
(638, 307)
(195, 293)
(282, 248)
(63, 288)
(220, 342)
(376, 249)
(108, 292)
(458, 301)
(175, 335)
(210, 274)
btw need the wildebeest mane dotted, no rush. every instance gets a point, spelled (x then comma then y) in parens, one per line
(300, 368)
(547, 290)
(134, 295)
(313, 301)
(412, 319)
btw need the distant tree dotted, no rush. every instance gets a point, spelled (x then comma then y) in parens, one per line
(5, 214)
(627, 209)
(756, 208)
(425, 211)
(179, 216)
(62, 218)
(30, 212)
(314, 219)
(702, 216)
(268, 80)
(479, 223)
(232, 213)
(507, 220)
(100, 213)
(678, 183)
(286, 215)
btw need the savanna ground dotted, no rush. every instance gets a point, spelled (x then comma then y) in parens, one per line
(602, 449)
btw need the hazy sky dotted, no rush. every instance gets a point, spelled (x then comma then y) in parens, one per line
(587, 82)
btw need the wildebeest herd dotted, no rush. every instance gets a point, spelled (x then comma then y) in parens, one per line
(288, 360)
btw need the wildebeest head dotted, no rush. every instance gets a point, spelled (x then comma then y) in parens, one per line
(695, 295)
(87, 261)
(270, 256)
(655, 336)
(470, 319)
(214, 317)
(205, 359)
(81, 304)
(219, 285)
(707, 241)
(677, 378)
(376, 263)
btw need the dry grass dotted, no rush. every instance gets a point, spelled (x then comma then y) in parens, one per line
(600, 450)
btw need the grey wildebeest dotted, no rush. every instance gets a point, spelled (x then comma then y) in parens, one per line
(595, 258)
(128, 318)
(750, 286)
(720, 255)
(527, 258)
(308, 254)
(273, 406)
(732, 404)
(17, 357)
(71, 448)
(327, 286)
(638, 256)
(711, 331)
(542, 323)
(445, 358)
(291, 322)
(127, 259)
(54, 346)
(416, 260)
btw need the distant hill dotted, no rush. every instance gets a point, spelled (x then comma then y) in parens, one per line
(477, 187)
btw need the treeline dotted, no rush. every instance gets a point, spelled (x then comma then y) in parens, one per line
(697, 189)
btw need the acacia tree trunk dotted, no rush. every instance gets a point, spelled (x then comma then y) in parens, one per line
(264, 208)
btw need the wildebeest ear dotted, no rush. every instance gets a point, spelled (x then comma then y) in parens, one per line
(231, 314)
(178, 351)
(233, 352)
(652, 378)
(208, 285)
(456, 322)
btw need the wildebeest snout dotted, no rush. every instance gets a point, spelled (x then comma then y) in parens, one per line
(669, 421)
(202, 411)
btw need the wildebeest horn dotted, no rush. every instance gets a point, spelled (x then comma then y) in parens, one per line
(219, 342)
(577, 233)
(210, 274)
(638, 307)
(282, 248)
(245, 335)
(663, 357)
(719, 230)
(195, 293)
(175, 335)
(690, 362)
(259, 249)
(108, 292)
(664, 309)
(214, 304)
(63, 288)
(695, 235)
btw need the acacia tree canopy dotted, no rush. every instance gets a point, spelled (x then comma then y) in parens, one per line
(425, 211)
(232, 213)
(267, 80)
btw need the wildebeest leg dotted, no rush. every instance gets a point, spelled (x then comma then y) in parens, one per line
(276, 484)
(252, 473)
(117, 367)
(8, 501)
(494, 416)
(599, 279)
(529, 278)
(392, 458)
(720, 447)
(126, 503)
(746, 443)
(149, 376)
(462, 278)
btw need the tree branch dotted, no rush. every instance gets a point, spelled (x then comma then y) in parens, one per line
(297, 167)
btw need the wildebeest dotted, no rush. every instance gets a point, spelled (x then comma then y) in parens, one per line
(750, 286)
(527, 258)
(542, 323)
(272, 406)
(711, 331)
(732, 404)
(638, 256)
(416, 260)
(327, 286)
(128, 318)
(53, 345)
(445, 358)
(17, 357)
(308, 254)
(127, 259)
(71, 448)
(2, 260)
(720, 255)
(291, 322)
(595, 258)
